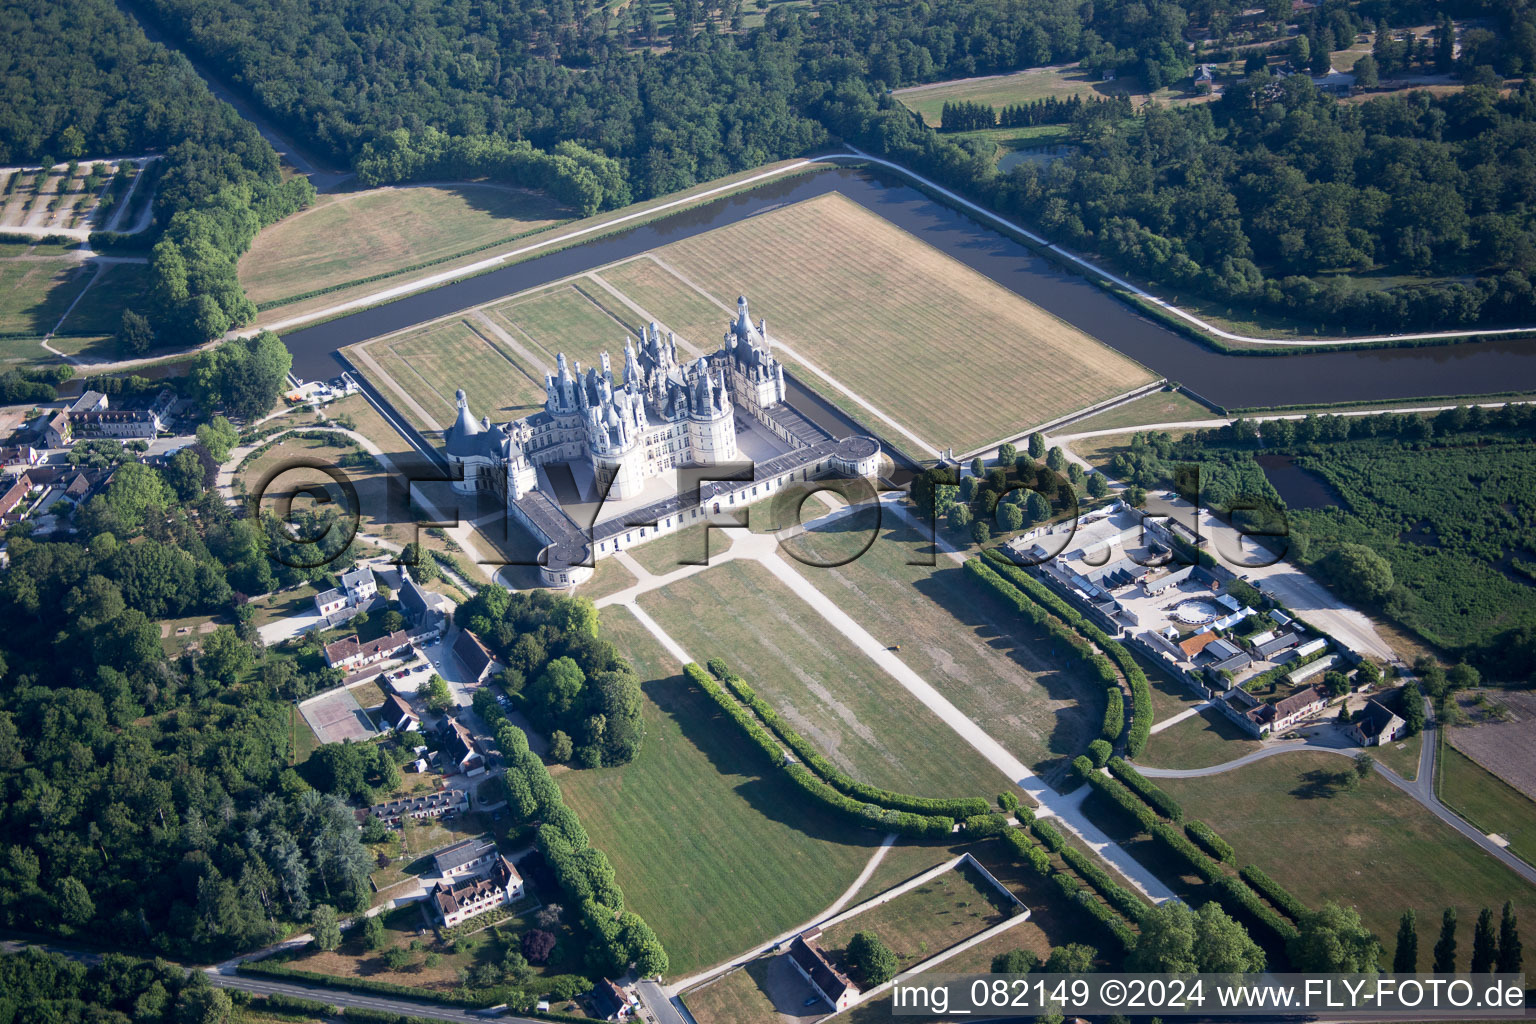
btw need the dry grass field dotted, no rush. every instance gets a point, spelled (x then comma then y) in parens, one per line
(351, 235)
(1020, 87)
(995, 668)
(1158, 407)
(955, 358)
(1383, 852)
(1199, 741)
(1500, 733)
(858, 716)
(566, 319)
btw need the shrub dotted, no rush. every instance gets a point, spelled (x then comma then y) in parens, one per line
(1161, 802)
(1211, 842)
(1100, 751)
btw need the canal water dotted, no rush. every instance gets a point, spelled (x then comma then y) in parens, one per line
(1230, 380)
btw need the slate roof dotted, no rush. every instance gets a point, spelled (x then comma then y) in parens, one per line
(808, 956)
(396, 710)
(474, 654)
(461, 853)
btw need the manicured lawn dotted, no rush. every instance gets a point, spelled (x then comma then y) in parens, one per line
(608, 576)
(1022, 87)
(1374, 849)
(35, 292)
(117, 287)
(1199, 741)
(1169, 696)
(1402, 757)
(888, 316)
(565, 319)
(271, 607)
(305, 742)
(740, 998)
(347, 236)
(678, 550)
(858, 716)
(928, 919)
(429, 364)
(1487, 802)
(1158, 407)
(1001, 672)
(715, 851)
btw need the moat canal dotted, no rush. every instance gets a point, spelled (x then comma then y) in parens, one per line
(1234, 381)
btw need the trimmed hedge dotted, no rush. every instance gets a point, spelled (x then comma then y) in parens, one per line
(1273, 891)
(1114, 714)
(1161, 802)
(1116, 895)
(1234, 894)
(1100, 751)
(1207, 838)
(1082, 767)
(1129, 802)
(1048, 836)
(907, 823)
(282, 1003)
(1112, 922)
(1140, 727)
(1028, 852)
(962, 807)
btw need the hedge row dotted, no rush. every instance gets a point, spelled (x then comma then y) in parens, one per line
(1234, 893)
(280, 1002)
(1161, 802)
(1028, 852)
(276, 969)
(907, 823)
(1140, 727)
(1273, 891)
(363, 1013)
(1208, 839)
(1131, 906)
(1048, 836)
(1112, 922)
(583, 872)
(1114, 713)
(961, 807)
(1124, 799)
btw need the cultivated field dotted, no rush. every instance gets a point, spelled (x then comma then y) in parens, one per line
(347, 236)
(1501, 740)
(994, 667)
(1374, 849)
(715, 854)
(1020, 87)
(836, 696)
(899, 324)
(891, 322)
(1487, 802)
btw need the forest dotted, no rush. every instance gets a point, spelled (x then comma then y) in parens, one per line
(1433, 526)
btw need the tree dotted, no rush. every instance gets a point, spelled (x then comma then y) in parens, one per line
(397, 958)
(244, 376)
(981, 533)
(1336, 683)
(1445, 948)
(1036, 447)
(1006, 453)
(1332, 940)
(1405, 960)
(373, 932)
(1073, 958)
(560, 748)
(325, 927)
(1364, 765)
(1413, 708)
(959, 517)
(1509, 941)
(435, 694)
(73, 902)
(538, 944)
(1037, 509)
(1485, 944)
(1359, 572)
(1097, 486)
(134, 334)
(872, 959)
(1366, 74)
(1176, 939)
(978, 468)
(1010, 517)
(1015, 961)
(422, 565)
(1056, 460)
(219, 436)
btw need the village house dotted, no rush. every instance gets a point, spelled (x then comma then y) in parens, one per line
(476, 658)
(1380, 721)
(11, 501)
(457, 903)
(418, 808)
(350, 653)
(814, 965)
(466, 857)
(357, 591)
(426, 611)
(611, 1002)
(459, 752)
(397, 714)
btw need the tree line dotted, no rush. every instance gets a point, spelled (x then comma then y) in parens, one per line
(967, 115)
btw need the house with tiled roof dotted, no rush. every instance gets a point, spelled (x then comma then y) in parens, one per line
(351, 653)
(457, 902)
(816, 967)
(612, 1002)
